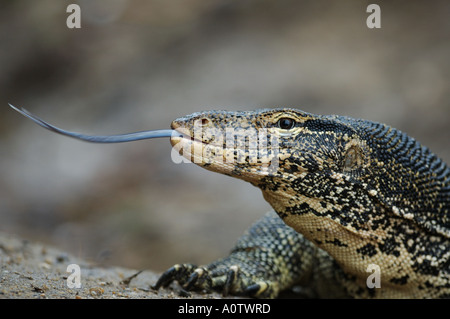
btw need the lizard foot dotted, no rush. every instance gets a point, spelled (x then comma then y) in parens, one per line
(218, 276)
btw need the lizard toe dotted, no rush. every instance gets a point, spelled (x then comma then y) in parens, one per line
(239, 282)
(262, 289)
(200, 278)
(178, 272)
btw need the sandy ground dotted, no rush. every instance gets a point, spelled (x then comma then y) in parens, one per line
(38, 271)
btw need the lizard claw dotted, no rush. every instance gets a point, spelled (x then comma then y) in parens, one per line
(199, 278)
(261, 289)
(189, 276)
(222, 278)
(177, 272)
(231, 279)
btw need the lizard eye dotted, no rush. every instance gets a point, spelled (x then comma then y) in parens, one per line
(286, 123)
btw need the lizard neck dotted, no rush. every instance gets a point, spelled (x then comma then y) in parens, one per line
(354, 250)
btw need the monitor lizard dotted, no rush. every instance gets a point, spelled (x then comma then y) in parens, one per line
(347, 195)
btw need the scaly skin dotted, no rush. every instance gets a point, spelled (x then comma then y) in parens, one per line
(350, 193)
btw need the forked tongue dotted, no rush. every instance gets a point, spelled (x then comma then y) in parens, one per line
(142, 135)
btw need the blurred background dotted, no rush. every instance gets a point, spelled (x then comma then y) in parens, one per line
(137, 65)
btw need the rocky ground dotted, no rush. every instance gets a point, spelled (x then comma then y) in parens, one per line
(33, 270)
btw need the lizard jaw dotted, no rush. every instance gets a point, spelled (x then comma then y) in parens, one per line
(217, 157)
(198, 152)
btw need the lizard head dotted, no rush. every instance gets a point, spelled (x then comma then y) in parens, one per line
(334, 167)
(240, 144)
(297, 159)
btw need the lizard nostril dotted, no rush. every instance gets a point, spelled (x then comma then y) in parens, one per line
(204, 122)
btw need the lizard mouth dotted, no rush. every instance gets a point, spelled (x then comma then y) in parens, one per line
(197, 151)
(182, 135)
(213, 153)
